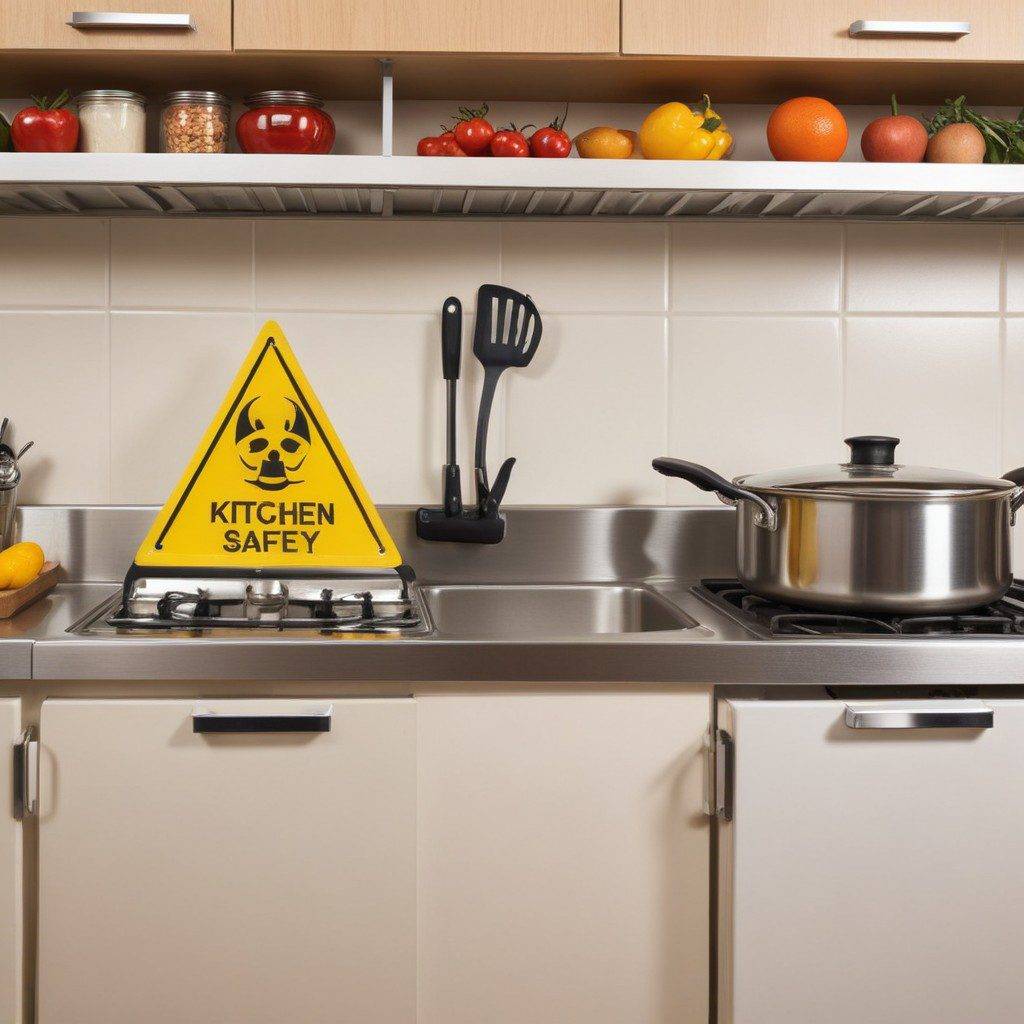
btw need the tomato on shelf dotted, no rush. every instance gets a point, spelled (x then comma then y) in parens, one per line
(551, 141)
(445, 144)
(46, 127)
(430, 145)
(510, 141)
(281, 121)
(473, 131)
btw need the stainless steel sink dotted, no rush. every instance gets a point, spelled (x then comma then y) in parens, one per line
(550, 610)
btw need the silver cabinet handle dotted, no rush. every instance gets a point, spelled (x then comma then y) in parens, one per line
(318, 720)
(953, 714)
(956, 29)
(113, 19)
(26, 775)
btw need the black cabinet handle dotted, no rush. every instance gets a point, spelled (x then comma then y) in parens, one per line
(307, 721)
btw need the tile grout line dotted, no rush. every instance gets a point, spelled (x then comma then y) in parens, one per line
(843, 343)
(1004, 246)
(110, 370)
(667, 350)
(252, 274)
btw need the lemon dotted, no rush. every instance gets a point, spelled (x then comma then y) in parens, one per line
(604, 143)
(20, 564)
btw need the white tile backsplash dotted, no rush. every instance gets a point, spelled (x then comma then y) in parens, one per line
(923, 268)
(181, 264)
(756, 267)
(749, 394)
(934, 382)
(781, 340)
(56, 390)
(53, 263)
(168, 375)
(580, 267)
(359, 266)
(1014, 270)
(588, 414)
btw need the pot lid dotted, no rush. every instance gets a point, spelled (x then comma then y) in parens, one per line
(874, 472)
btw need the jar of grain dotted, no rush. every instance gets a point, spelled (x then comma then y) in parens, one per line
(195, 122)
(112, 121)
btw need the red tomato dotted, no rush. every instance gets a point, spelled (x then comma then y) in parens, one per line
(429, 145)
(450, 145)
(45, 128)
(509, 142)
(551, 141)
(473, 131)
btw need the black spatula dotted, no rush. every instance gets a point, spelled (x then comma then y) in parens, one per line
(507, 333)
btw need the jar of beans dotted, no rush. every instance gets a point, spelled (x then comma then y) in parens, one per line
(194, 122)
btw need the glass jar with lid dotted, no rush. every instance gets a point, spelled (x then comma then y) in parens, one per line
(280, 121)
(112, 121)
(194, 121)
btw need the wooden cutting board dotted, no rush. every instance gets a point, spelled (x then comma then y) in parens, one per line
(12, 601)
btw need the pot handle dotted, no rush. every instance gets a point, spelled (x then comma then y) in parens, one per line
(708, 480)
(1016, 476)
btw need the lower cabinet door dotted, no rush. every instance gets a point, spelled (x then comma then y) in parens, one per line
(563, 859)
(10, 870)
(871, 875)
(227, 877)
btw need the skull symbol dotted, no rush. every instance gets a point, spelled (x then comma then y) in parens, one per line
(268, 432)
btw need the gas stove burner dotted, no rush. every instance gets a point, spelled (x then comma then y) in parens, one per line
(364, 604)
(773, 619)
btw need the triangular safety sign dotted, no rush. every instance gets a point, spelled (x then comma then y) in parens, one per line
(270, 485)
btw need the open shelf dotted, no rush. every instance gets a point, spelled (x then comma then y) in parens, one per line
(374, 186)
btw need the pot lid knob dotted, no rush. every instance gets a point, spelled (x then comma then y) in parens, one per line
(872, 450)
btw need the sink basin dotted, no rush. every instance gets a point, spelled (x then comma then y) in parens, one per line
(516, 611)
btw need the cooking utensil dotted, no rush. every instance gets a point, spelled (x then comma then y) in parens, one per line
(451, 358)
(869, 534)
(506, 333)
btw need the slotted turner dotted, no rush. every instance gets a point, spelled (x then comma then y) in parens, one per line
(507, 333)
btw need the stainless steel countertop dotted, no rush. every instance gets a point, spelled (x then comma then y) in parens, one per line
(669, 549)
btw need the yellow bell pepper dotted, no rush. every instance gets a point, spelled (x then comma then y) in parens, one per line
(675, 132)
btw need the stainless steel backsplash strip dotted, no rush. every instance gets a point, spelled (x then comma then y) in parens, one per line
(96, 543)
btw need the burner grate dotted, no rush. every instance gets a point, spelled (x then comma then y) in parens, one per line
(774, 619)
(378, 604)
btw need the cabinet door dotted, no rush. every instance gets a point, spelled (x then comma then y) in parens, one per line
(445, 26)
(563, 859)
(43, 25)
(818, 28)
(871, 875)
(226, 878)
(10, 870)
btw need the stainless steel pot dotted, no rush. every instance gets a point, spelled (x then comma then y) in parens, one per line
(869, 535)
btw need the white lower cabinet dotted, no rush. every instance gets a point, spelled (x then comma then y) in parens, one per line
(563, 859)
(871, 872)
(227, 878)
(10, 869)
(466, 859)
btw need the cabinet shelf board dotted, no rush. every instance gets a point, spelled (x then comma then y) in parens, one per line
(403, 186)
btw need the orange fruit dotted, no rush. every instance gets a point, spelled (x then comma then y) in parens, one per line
(807, 128)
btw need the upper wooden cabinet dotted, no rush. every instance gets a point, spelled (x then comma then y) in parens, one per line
(43, 25)
(456, 26)
(820, 29)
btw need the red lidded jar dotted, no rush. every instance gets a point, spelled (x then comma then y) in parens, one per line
(280, 121)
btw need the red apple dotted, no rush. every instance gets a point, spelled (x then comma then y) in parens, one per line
(896, 139)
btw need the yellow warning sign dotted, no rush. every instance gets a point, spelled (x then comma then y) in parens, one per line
(270, 484)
